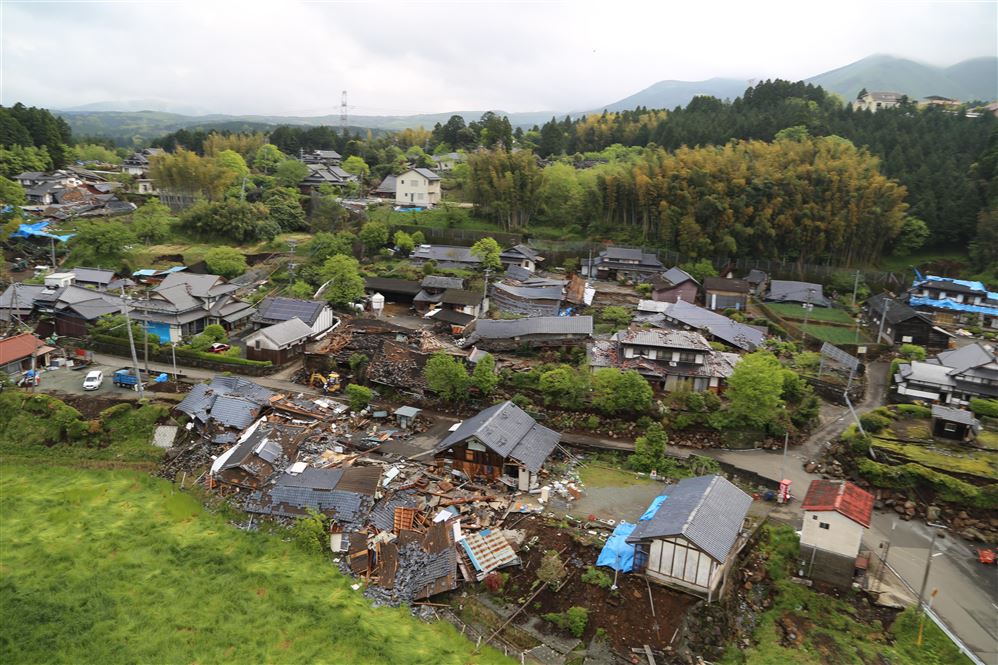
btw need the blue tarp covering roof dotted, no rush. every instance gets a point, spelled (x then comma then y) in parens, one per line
(37, 230)
(653, 508)
(946, 303)
(616, 553)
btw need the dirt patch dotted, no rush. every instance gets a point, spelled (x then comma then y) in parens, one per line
(625, 614)
(92, 405)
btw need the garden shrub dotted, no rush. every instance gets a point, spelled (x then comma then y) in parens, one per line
(574, 620)
(914, 410)
(597, 577)
(984, 407)
(874, 422)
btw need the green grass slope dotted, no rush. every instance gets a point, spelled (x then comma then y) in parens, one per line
(116, 567)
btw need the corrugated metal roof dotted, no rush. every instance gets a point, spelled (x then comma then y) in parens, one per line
(781, 290)
(953, 415)
(840, 496)
(441, 282)
(706, 510)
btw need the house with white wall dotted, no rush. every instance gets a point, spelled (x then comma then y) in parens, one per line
(417, 187)
(836, 514)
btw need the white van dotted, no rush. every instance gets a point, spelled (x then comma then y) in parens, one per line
(93, 380)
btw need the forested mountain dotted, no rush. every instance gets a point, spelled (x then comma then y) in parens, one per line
(929, 151)
(970, 80)
(32, 139)
(670, 94)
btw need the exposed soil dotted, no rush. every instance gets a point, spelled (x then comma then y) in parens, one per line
(625, 614)
(92, 405)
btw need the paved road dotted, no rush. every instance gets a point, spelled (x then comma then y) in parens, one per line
(968, 591)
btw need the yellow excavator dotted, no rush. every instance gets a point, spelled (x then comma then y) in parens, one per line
(329, 383)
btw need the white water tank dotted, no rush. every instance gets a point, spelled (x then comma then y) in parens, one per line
(377, 303)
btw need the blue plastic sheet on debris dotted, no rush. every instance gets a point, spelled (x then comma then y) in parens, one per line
(617, 553)
(162, 378)
(37, 230)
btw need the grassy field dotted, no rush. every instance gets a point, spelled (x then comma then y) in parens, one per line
(944, 457)
(831, 631)
(596, 475)
(835, 334)
(194, 250)
(117, 567)
(827, 314)
(987, 439)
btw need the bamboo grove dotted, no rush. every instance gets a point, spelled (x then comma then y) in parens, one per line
(798, 197)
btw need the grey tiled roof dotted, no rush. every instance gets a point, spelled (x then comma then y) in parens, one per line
(531, 293)
(283, 334)
(509, 431)
(441, 282)
(93, 275)
(677, 276)
(669, 339)
(897, 311)
(953, 415)
(551, 325)
(313, 478)
(383, 515)
(518, 273)
(718, 325)
(707, 510)
(229, 400)
(445, 254)
(461, 297)
(781, 290)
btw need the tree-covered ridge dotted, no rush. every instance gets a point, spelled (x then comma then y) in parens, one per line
(33, 137)
(800, 197)
(928, 150)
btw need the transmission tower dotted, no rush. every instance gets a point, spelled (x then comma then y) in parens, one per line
(343, 112)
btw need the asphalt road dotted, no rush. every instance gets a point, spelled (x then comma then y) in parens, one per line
(968, 591)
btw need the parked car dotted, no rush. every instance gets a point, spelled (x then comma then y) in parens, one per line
(93, 380)
(218, 347)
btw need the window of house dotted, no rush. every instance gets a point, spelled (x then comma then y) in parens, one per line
(949, 427)
(402, 181)
(687, 357)
(256, 345)
(823, 525)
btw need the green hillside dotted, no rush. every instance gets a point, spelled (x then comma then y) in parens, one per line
(118, 567)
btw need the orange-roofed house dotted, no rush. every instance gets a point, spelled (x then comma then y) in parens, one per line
(17, 352)
(836, 513)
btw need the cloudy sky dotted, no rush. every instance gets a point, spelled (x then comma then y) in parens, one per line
(293, 58)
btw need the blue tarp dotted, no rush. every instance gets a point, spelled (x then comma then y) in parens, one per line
(653, 508)
(616, 553)
(162, 378)
(946, 303)
(37, 230)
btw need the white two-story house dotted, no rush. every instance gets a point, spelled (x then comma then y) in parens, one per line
(418, 187)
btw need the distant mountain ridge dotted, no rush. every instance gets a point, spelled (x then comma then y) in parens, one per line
(972, 79)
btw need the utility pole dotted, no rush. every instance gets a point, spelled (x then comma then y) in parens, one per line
(855, 287)
(783, 463)
(52, 241)
(807, 312)
(928, 566)
(173, 351)
(131, 343)
(883, 317)
(485, 290)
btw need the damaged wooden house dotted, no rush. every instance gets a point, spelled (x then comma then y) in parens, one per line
(501, 442)
(223, 409)
(262, 450)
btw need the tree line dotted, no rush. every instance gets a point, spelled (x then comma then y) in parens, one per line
(928, 150)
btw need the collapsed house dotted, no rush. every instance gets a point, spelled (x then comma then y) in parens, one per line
(501, 442)
(529, 297)
(540, 331)
(258, 453)
(223, 409)
(623, 263)
(668, 359)
(687, 316)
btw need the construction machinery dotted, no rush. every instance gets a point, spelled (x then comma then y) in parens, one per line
(328, 383)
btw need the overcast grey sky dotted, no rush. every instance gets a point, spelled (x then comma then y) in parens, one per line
(293, 58)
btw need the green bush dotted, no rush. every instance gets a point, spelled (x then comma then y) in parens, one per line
(912, 352)
(914, 410)
(597, 577)
(229, 360)
(574, 620)
(359, 396)
(593, 422)
(521, 401)
(984, 407)
(874, 422)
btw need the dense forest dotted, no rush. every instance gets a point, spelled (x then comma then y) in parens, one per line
(928, 150)
(785, 171)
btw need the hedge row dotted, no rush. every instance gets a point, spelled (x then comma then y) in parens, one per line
(165, 355)
(984, 407)
(948, 488)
